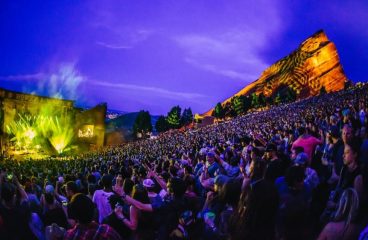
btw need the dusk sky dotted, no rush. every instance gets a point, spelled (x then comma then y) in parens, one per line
(152, 55)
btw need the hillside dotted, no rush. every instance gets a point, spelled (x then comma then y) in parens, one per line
(125, 122)
(313, 65)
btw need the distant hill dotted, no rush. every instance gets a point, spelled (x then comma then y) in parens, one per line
(313, 65)
(125, 122)
(112, 114)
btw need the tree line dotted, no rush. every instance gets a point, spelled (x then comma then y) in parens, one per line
(174, 119)
(237, 105)
(241, 104)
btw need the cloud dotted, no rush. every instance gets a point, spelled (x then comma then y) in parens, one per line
(235, 50)
(110, 26)
(24, 77)
(126, 37)
(234, 54)
(158, 91)
(222, 71)
(113, 46)
(63, 82)
(122, 38)
(140, 35)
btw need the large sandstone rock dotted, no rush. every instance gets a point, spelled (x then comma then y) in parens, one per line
(313, 65)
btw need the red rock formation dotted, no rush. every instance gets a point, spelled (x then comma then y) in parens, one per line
(313, 65)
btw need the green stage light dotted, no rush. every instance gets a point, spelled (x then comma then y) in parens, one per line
(28, 132)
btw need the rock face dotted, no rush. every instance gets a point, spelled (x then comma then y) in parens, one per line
(313, 65)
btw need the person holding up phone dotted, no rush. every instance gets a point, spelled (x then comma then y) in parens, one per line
(113, 220)
(12, 209)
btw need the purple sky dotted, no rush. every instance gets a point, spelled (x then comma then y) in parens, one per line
(153, 55)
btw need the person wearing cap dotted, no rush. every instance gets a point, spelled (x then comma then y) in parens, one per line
(155, 199)
(213, 202)
(208, 171)
(53, 211)
(275, 167)
(311, 176)
(211, 165)
(50, 193)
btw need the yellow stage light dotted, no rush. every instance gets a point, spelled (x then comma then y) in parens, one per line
(30, 134)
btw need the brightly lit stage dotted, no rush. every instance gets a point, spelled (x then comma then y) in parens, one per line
(36, 127)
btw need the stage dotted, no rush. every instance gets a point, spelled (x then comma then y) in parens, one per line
(36, 127)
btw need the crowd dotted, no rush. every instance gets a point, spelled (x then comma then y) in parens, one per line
(295, 171)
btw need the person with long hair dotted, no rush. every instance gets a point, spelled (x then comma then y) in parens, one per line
(139, 221)
(118, 187)
(256, 213)
(343, 224)
(350, 176)
(256, 170)
(229, 196)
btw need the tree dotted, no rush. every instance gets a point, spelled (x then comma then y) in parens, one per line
(142, 123)
(219, 111)
(161, 124)
(278, 99)
(187, 117)
(261, 100)
(247, 102)
(322, 91)
(269, 100)
(255, 100)
(229, 111)
(238, 104)
(290, 95)
(1, 122)
(284, 93)
(173, 117)
(347, 84)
